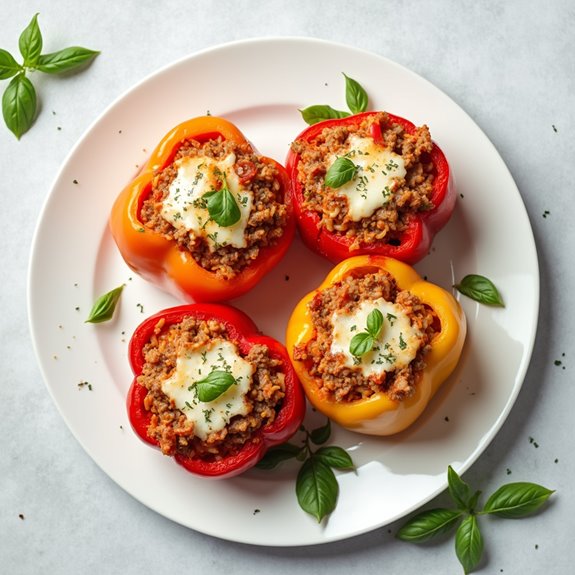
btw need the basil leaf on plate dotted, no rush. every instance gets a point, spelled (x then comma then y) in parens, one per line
(104, 307)
(316, 488)
(480, 289)
(335, 457)
(320, 435)
(276, 455)
(355, 96)
(320, 112)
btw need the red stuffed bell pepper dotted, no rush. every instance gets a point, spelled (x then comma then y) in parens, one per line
(207, 217)
(210, 390)
(369, 184)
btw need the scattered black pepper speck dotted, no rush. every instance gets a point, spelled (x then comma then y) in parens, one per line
(60, 128)
(74, 181)
(533, 442)
(21, 515)
(536, 546)
(446, 418)
(256, 511)
(140, 307)
(546, 213)
(554, 128)
(461, 196)
(286, 278)
(83, 384)
(556, 460)
(508, 471)
(77, 308)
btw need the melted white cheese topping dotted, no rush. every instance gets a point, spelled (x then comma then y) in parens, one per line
(396, 346)
(378, 170)
(197, 364)
(183, 206)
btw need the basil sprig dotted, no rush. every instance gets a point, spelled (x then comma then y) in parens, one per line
(512, 500)
(480, 289)
(104, 307)
(317, 489)
(214, 385)
(362, 343)
(19, 101)
(222, 206)
(340, 172)
(356, 100)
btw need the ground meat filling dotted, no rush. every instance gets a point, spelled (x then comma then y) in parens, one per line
(170, 427)
(267, 220)
(341, 383)
(412, 194)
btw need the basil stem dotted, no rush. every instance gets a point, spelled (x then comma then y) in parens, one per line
(214, 385)
(104, 307)
(480, 289)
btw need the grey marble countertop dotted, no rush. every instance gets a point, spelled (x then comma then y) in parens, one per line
(510, 64)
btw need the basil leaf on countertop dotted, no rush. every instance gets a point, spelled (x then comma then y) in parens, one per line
(104, 307)
(515, 500)
(8, 66)
(30, 42)
(429, 524)
(65, 60)
(469, 543)
(19, 105)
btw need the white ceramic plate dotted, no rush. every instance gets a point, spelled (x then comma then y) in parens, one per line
(260, 85)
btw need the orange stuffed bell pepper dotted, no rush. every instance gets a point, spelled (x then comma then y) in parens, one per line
(207, 217)
(373, 343)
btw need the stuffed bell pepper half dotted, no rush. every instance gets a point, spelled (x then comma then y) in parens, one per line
(370, 183)
(210, 390)
(373, 343)
(208, 216)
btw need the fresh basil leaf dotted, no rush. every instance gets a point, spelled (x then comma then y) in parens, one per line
(340, 172)
(355, 96)
(316, 488)
(459, 490)
(30, 43)
(469, 543)
(8, 66)
(275, 455)
(320, 435)
(65, 60)
(212, 386)
(429, 524)
(374, 323)
(320, 112)
(222, 207)
(335, 457)
(361, 343)
(515, 500)
(104, 307)
(480, 289)
(19, 105)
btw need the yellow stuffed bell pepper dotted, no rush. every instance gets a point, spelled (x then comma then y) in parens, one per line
(373, 343)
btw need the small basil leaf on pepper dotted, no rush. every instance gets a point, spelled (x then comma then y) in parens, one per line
(355, 96)
(222, 206)
(361, 343)
(374, 323)
(340, 172)
(480, 289)
(212, 386)
(104, 307)
(318, 113)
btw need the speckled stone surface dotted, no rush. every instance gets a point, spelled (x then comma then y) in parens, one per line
(509, 64)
